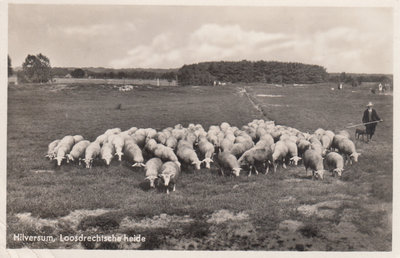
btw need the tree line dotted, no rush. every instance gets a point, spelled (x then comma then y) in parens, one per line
(37, 69)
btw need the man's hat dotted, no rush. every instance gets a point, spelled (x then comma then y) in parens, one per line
(370, 104)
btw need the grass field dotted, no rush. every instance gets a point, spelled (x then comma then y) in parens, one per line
(282, 211)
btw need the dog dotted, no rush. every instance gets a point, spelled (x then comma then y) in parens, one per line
(359, 132)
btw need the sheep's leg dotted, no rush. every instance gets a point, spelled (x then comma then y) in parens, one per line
(283, 164)
(251, 168)
(255, 168)
(167, 190)
(173, 190)
(275, 166)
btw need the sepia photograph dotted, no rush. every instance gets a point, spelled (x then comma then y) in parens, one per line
(200, 127)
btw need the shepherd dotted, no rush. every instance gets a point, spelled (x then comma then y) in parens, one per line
(370, 116)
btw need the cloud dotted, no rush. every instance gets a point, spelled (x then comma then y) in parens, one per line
(337, 49)
(209, 42)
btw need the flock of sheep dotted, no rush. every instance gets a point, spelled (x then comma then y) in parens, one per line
(259, 143)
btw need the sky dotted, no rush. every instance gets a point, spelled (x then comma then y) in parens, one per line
(341, 39)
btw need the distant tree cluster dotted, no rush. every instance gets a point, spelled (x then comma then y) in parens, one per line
(247, 71)
(358, 79)
(36, 68)
(10, 70)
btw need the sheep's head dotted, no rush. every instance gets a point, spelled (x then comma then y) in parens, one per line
(60, 159)
(197, 164)
(354, 156)
(88, 162)
(151, 179)
(295, 160)
(107, 160)
(338, 171)
(69, 158)
(320, 174)
(236, 171)
(166, 178)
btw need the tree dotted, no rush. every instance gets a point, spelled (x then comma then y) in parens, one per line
(36, 69)
(10, 70)
(78, 73)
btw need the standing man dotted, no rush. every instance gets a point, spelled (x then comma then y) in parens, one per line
(370, 115)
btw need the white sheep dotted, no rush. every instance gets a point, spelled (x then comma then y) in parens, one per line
(280, 151)
(113, 131)
(334, 162)
(107, 152)
(169, 173)
(348, 149)
(52, 149)
(151, 145)
(228, 161)
(326, 143)
(92, 152)
(186, 153)
(78, 138)
(161, 137)
(313, 160)
(302, 146)
(254, 155)
(292, 152)
(118, 142)
(165, 153)
(78, 151)
(335, 142)
(317, 146)
(101, 139)
(226, 144)
(171, 142)
(152, 168)
(207, 149)
(134, 153)
(64, 147)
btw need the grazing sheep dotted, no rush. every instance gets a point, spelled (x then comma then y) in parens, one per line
(279, 154)
(228, 161)
(334, 162)
(344, 133)
(319, 132)
(312, 159)
(226, 145)
(239, 148)
(101, 139)
(118, 142)
(207, 149)
(161, 138)
(302, 146)
(112, 131)
(107, 152)
(317, 146)
(254, 155)
(213, 138)
(78, 138)
(179, 133)
(224, 126)
(171, 142)
(348, 149)
(326, 143)
(52, 149)
(134, 153)
(335, 142)
(64, 147)
(186, 153)
(330, 134)
(292, 152)
(92, 152)
(151, 145)
(152, 168)
(140, 137)
(169, 173)
(78, 151)
(165, 153)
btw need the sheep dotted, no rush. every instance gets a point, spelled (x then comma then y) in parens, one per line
(302, 146)
(78, 151)
(254, 155)
(317, 146)
(140, 136)
(292, 152)
(213, 138)
(348, 148)
(64, 147)
(226, 145)
(151, 145)
(161, 137)
(152, 168)
(171, 142)
(112, 131)
(118, 142)
(239, 148)
(312, 159)
(107, 152)
(51, 151)
(179, 133)
(186, 153)
(330, 134)
(133, 152)
(78, 138)
(131, 130)
(169, 173)
(229, 161)
(336, 139)
(319, 132)
(101, 139)
(224, 126)
(334, 162)
(165, 153)
(326, 143)
(279, 154)
(207, 149)
(92, 152)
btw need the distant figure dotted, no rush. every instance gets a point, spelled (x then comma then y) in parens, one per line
(370, 115)
(340, 86)
(380, 87)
